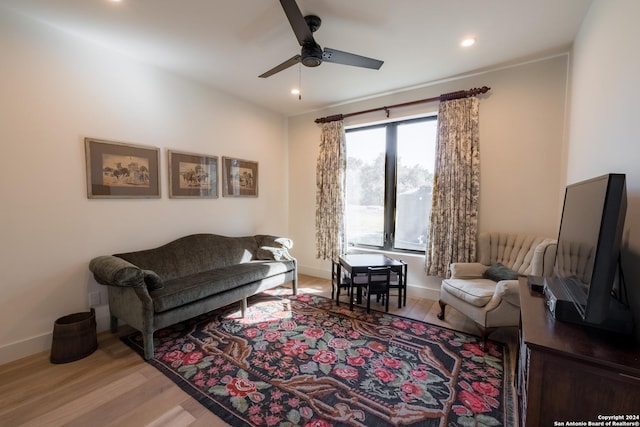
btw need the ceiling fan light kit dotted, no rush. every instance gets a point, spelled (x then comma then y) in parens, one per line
(311, 54)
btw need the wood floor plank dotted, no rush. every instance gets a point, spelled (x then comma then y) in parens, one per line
(115, 386)
(62, 383)
(174, 417)
(113, 411)
(65, 413)
(151, 407)
(204, 417)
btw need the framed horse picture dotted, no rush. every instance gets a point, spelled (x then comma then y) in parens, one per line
(240, 178)
(119, 170)
(192, 175)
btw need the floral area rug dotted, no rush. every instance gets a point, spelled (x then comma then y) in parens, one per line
(303, 361)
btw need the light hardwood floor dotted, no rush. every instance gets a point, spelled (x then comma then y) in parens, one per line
(115, 387)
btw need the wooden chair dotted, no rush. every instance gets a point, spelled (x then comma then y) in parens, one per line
(337, 283)
(399, 282)
(378, 284)
(359, 284)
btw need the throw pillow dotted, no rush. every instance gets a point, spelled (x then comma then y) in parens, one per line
(270, 253)
(152, 280)
(498, 272)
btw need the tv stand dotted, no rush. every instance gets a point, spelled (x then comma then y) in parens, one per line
(566, 372)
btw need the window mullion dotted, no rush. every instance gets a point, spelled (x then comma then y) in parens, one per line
(390, 185)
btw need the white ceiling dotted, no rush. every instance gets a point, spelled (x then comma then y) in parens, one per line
(227, 44)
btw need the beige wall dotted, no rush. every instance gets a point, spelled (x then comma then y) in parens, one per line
(521, 146)
(604, 134)
(55, 91)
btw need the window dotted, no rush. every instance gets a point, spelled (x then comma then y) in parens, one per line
(389, 181)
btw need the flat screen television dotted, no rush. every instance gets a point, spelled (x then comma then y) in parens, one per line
(587, 258)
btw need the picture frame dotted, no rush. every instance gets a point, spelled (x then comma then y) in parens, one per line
(240, 177)
(192, 175)
(117, 170)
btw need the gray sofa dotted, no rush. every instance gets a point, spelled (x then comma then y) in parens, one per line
(155, 288)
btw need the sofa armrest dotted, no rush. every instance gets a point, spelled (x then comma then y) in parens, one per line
(113, 271)
(274, 241)
(509, 290)
(467, 270)
(274, 247)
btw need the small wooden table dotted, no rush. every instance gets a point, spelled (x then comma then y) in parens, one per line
(356, 264)
(360, 263)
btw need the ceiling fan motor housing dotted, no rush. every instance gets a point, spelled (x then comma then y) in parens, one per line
(311, 54)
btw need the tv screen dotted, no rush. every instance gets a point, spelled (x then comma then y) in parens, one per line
(589, 243)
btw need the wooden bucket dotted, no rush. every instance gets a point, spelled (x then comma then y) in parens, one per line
(74, 337)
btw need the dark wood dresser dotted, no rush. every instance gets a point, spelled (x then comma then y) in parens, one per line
(568, 373)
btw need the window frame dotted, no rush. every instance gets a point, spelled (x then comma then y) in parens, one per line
(390, 171)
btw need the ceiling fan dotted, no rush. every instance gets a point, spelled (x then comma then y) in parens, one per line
(312, 54)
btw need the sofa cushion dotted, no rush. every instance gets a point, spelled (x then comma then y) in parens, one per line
(185, 290)
(498, 272)
(476, 292)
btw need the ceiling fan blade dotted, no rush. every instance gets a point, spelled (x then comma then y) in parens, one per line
(286, 64)
(297, 21)
(346, 58)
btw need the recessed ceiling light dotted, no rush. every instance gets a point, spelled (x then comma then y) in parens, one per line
(469, 41)
(295, 91)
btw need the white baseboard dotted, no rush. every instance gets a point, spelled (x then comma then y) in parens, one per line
(40, 343)
(315, 272)
(420, 291)
(27, 347)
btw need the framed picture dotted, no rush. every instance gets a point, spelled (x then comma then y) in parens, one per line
(192, 175)
(118, 170)
(240, 178)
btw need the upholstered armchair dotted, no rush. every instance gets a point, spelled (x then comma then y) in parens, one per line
(487, 291)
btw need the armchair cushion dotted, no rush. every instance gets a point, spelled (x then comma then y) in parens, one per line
(476, 292)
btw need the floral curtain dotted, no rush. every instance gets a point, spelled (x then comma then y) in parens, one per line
(330, 192)
(453, 225)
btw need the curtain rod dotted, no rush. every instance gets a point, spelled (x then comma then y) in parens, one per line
(444, 97)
